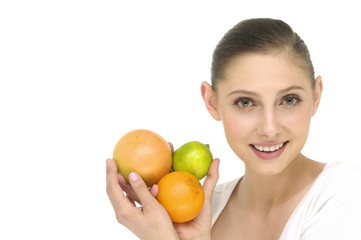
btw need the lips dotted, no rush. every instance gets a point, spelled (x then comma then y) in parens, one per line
(269, 151)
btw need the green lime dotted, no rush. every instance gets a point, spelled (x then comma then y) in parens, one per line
(193, 157)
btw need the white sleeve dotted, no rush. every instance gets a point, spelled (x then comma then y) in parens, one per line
(338, 214)
(337, 220)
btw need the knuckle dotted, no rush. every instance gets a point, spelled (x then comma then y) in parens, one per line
(119, 219)
(122, 216)
(138, 187)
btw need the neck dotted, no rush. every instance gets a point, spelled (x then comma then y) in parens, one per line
(266, 191)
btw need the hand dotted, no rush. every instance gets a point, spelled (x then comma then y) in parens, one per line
(200, 227)
(150, 220)
(127, 188)
(130, 194)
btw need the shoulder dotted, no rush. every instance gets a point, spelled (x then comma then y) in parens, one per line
(341, 176)
(333, 204)
(223, 191)
(227, 186)
(340, 167)
(221, 195)
(339, 182)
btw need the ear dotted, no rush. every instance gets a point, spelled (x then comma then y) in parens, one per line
(209, 98)
(317, 94)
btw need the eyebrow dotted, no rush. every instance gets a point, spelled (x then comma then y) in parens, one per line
(250, 93)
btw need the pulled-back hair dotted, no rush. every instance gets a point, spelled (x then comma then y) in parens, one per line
(259, 35)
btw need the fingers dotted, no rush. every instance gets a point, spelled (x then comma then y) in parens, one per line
(113, 188)
(114, 191)
(141, 190)
(122, 181)
(211, 179)
(131, 195)
(127, 189)
(154, 191)
(171, 147)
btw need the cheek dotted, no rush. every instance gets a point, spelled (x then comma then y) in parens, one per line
(298, 122)
(237, 127)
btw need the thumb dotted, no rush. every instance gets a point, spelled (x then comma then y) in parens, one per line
(140, 189)
(211, 179)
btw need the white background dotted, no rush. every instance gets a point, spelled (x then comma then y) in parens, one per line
(76, 75)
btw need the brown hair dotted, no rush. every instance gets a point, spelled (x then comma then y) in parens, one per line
(259, 35)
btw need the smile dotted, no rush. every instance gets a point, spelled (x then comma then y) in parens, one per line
(269, 152)
(268, 148)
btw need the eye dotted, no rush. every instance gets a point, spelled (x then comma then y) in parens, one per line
(244, 102)
(291, 100)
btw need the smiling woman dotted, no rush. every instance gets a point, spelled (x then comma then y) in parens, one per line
(251, 102)
(265, 93)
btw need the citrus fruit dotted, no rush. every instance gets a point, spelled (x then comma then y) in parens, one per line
(144, 152)
(182, 195)
(193, 157)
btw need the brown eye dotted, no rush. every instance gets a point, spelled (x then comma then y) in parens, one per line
(290, 100)
(244, 102)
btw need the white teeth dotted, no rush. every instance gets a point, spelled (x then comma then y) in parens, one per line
(268, 149)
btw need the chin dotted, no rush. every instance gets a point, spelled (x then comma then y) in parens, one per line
(271, 167)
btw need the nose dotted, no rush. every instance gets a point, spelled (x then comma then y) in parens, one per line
(268, 125)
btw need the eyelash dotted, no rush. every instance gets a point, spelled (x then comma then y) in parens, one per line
(239, 101)
(294, 98)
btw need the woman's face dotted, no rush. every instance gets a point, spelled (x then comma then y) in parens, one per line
(265, 102)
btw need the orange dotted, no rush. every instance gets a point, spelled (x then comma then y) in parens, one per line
(144, 152)
(182, 195)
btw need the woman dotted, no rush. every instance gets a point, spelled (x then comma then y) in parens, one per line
(265, 93)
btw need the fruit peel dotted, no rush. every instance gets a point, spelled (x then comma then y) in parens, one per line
(193, 157)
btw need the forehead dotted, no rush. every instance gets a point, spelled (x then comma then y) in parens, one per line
(257, 71)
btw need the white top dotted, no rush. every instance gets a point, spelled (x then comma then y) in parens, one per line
(331, 208)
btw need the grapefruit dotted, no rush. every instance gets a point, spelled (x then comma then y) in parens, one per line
(144, 152)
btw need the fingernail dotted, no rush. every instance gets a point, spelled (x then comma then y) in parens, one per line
(133, 176)
(107, 162)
